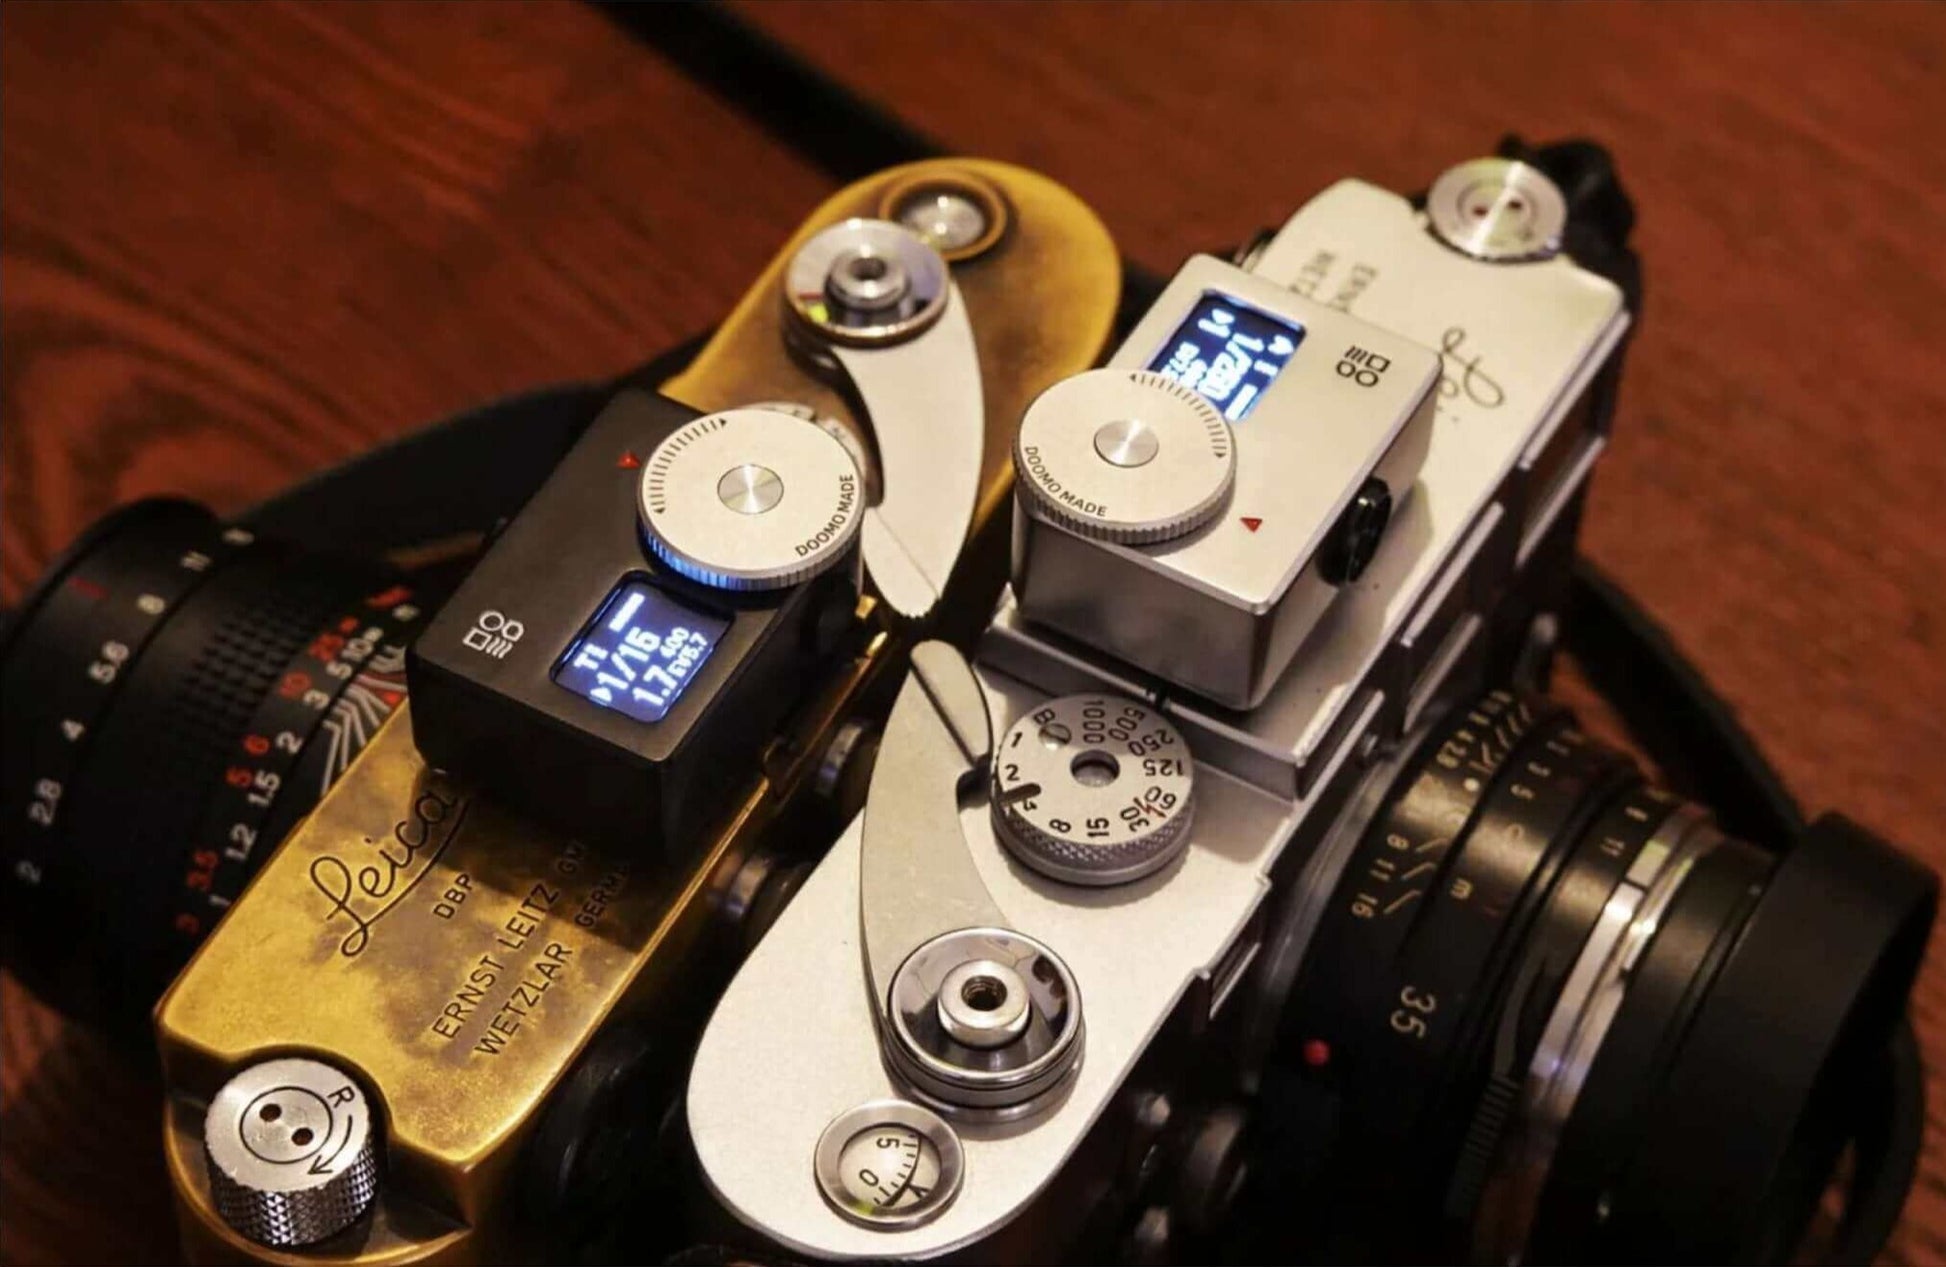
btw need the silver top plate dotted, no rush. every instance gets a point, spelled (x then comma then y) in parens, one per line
(792, 1043)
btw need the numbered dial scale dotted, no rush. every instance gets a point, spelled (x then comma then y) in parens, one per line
(637, 633)
(1093, 789)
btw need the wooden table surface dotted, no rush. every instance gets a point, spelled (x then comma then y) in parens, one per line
(240, 244)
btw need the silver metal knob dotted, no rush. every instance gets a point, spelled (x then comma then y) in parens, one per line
(867, 282)
(983, 1003)
(751, 499)
(1498, 209)
(953, 211)
(292, 1152)
(1124, 456)
(1093, 789)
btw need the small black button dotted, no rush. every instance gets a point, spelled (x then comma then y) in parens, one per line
(1354, 540)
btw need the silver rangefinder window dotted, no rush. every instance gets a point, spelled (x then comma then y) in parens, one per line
(1249, 553)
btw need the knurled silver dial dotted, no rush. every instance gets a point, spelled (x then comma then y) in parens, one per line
(1093, 789)
(751, 499)
(1126, 456)
(292, 1152)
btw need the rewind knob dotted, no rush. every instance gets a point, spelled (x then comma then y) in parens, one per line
(292, 1152)
(1093, 789)
(751, 499)
(1124, 456)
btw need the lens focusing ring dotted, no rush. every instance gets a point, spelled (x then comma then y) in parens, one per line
(134, 675)
(1655, 1036)
(1429, 809)
(1476, 949)
(337, 689)
(1409, 1043)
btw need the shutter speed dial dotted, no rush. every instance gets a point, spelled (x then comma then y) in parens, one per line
(751, 499)
(1124, 456)
(1093, 789)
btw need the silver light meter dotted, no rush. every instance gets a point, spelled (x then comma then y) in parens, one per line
(1194, 507)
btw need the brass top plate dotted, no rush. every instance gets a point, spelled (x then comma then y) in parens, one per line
(456, 958)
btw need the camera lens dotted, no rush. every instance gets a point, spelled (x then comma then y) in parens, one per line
(178, 694)
(1551, 1013)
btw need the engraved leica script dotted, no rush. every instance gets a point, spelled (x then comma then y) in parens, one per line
(362, 886)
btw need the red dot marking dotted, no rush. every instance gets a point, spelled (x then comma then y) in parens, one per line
(628, 461)
(1317, 1053)
(1252, 522)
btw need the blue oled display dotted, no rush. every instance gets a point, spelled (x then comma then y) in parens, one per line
(640, 652)
(1228, 354)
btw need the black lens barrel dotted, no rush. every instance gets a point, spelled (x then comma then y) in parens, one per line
(1733, 1074)
(1722, 1085)
(138, 767)
(1425, 937)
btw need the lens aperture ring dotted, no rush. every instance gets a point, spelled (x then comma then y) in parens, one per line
(161, 751)
(355, 663)
(178, 693)
(1385, 885)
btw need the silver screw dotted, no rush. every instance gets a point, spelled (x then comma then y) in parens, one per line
(1127, 443)
(947, 220)
(867, 280)
(983, 1003)
(750, 489)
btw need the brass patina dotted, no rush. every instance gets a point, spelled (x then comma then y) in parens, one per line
(463, 997)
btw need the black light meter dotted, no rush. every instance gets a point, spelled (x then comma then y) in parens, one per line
(635, 635)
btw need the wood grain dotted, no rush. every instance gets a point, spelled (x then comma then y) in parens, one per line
(243, 244)
(239, 244)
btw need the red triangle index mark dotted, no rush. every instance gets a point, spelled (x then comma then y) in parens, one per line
(628, 460)
(1252, 522)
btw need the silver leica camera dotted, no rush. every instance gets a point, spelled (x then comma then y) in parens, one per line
(1243, 786)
